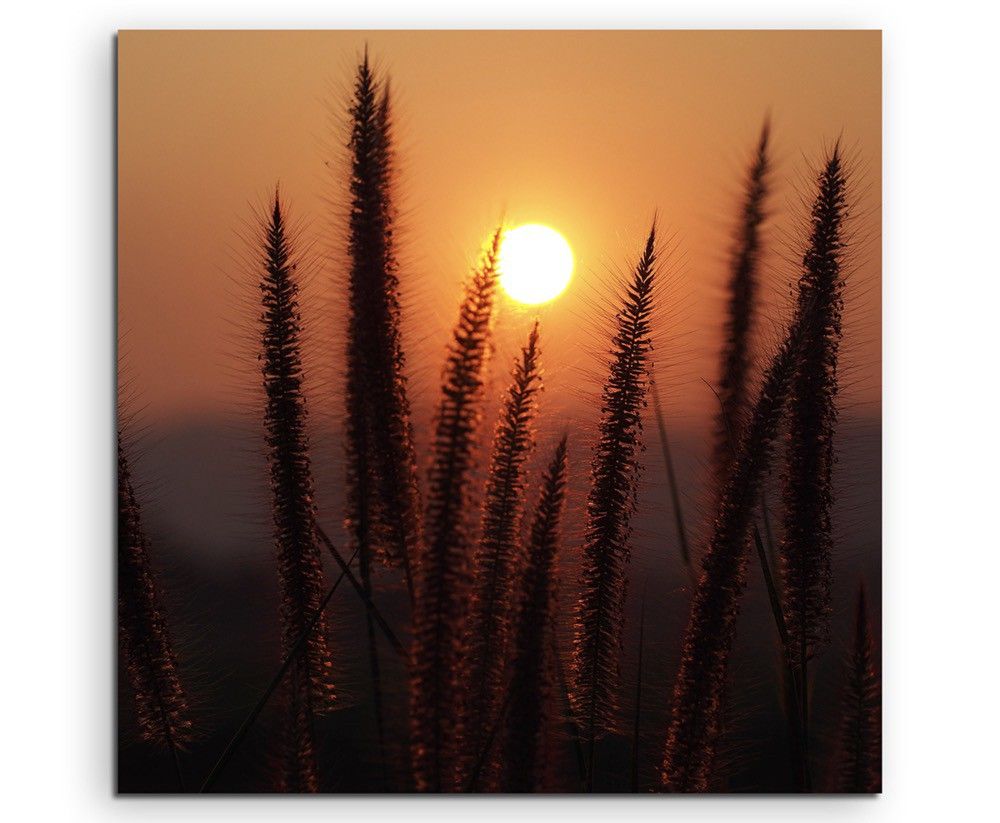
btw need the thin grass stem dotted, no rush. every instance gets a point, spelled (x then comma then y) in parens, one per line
(279, 675)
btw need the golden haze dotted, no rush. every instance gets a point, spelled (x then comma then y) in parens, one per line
(590, 132)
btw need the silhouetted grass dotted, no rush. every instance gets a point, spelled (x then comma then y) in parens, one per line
(384, 507)
(734, 377)
(498, 557)
(382, 502)
(806, 548)
(530, 686)
(442, 583)
(300, 569)
(145, 646)
(700, 681)
(860, 766)
(735, 360)
(610, 503)
(801, 364)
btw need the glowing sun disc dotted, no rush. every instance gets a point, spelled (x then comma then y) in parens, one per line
(536, 263)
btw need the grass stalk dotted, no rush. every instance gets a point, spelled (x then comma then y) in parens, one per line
(366, 598)
(675, 497)
(244, 728)
(637, 717)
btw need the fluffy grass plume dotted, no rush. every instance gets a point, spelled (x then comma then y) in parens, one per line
(807, 495)
(701, 678)
(395, 458)
(530, 690)
(382, 516)
(383, 501)
(734, 377)
(442, 581)
(860, 766)
(612, 498)
(498, 558)
(805, 550)
(300, 570)
(144, 640)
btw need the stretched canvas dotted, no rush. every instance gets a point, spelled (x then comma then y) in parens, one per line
(499, 411)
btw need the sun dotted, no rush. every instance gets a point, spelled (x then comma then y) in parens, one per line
(536, 263)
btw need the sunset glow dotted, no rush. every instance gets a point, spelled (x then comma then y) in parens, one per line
(536, 263)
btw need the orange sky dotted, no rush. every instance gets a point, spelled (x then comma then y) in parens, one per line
(589, 132)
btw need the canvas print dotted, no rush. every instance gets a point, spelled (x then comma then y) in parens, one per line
(499, 412)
